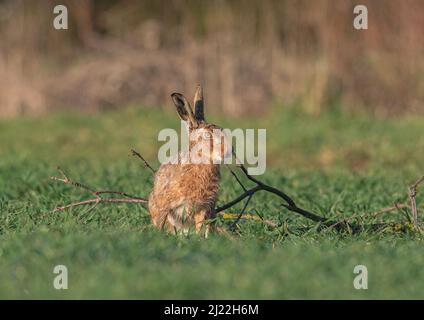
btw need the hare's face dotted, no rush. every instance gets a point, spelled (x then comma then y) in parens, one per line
(208, 145)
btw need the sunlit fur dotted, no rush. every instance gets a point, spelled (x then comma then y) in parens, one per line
(184, 194)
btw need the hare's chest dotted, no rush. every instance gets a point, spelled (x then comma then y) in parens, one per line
(186, 186)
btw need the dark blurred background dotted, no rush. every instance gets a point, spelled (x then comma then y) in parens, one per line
(250, 55)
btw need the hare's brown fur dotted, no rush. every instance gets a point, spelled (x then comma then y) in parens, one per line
(184, 194)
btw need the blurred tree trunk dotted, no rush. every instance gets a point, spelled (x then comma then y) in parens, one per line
(82, 12)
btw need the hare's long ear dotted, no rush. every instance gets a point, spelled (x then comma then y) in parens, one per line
(184, 108)
(199, 105)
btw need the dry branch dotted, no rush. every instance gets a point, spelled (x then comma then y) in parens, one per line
(375, 214)
(412, 198)
(137, 154)
(242, 212)
(96, 193)
(237, 178)
(260, 186)
(100, 200)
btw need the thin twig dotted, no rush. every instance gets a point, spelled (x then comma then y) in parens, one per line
(100, 200)
(413, 190)
(237, 178)
(257, 217)
(118, 193)
(137, 154)
(96, 193)
(269, 222)
(67, 180)
(241, 212)
(375, 214)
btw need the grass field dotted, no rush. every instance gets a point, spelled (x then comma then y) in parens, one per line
(335, 165)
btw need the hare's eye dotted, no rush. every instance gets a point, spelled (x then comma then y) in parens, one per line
(207, 135)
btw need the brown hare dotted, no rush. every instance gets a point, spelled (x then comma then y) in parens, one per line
(185, 191)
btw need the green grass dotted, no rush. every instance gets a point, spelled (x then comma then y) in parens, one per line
(334, 165)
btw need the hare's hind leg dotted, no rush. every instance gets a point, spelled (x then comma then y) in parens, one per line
(166, 221)
(160, 218)
(201, 224)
